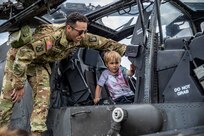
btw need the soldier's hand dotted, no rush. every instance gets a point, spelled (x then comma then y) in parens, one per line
(17, 95)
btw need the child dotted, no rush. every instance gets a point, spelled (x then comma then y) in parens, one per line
(115, 78)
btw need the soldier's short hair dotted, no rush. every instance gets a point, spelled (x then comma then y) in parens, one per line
(73, 17)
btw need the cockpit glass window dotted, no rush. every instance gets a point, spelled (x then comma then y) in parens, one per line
(69, 6)
(123, 18)
(4, 36)
(174, 22)
(194, 4)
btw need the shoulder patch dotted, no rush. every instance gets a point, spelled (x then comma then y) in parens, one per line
(48, 45)
(92, 39)
(39, 47)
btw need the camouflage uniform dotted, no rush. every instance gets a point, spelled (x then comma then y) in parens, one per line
(31, 62)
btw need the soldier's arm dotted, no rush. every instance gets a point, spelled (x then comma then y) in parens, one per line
(24, 56)
(102, 43)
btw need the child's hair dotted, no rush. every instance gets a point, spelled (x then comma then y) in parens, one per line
(17, 132)
(111, 55)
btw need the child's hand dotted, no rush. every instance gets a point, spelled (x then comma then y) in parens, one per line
(96, 100)
(132, 68)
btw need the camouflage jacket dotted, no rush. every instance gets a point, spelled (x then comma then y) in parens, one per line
(51, 45)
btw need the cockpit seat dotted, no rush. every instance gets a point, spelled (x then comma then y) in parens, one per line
(175, 43)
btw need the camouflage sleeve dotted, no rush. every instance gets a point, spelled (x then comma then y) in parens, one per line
(24, 56)
(102, 43)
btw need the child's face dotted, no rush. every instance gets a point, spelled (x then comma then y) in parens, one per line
(113, 66)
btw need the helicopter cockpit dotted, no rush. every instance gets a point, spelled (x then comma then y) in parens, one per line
(164, 41)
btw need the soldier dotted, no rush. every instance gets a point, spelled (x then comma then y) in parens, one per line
(31, 62)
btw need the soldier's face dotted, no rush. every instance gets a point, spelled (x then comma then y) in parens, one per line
(76, 32)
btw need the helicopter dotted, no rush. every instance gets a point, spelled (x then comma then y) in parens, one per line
(165, 44)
